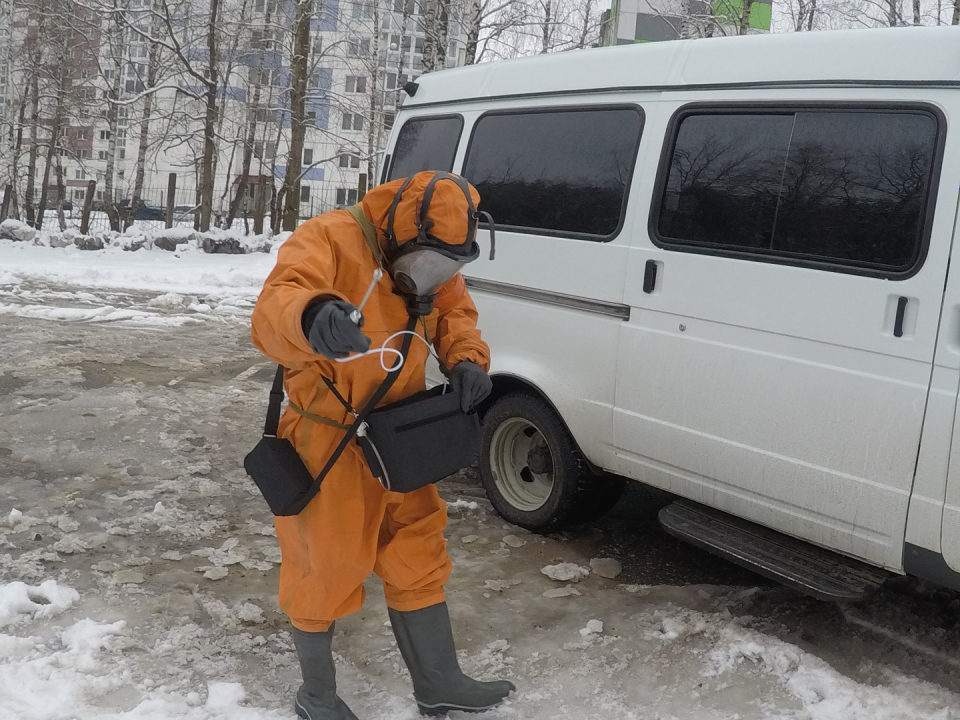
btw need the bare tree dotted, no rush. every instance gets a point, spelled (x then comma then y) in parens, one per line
(745, 17)
(148, 93)
(263, 40)
(436, 17)
(300, 52)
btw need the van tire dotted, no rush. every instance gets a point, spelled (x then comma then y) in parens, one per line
(565, 493)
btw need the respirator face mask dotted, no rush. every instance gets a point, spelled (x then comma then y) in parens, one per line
(423, 264)
(423, 271)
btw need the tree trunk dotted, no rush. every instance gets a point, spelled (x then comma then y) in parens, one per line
(34, 146)
(144, 140)
(61, 193)
(298, 113)
(62, 83)
(251, 136)
(245, 161)
(916, 12)
(375, 130)
(209, 121)
(404, 44)
(276, 196)
(474, 16)
(109, 192)
(745, 18)
(15, 161)
(48, 164)
(585, 28)
(430, 36)
(686, 21)
(893, 13)
(547, 19)
(956, 13)
(443, 25)
(113, 95)
(813, 12)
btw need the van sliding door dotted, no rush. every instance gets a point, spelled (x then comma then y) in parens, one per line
(776, 365)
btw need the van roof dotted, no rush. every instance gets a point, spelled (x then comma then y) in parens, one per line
(900, 56)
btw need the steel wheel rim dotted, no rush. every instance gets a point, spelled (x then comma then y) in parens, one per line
(509, 448)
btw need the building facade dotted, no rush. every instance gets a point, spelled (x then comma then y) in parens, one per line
(127, 111)
(639, 21)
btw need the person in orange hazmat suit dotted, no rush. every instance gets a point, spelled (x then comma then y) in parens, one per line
(425, 232)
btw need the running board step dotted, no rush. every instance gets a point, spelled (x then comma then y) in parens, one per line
(812, 570)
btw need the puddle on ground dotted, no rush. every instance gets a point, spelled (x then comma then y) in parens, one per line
(9, 383)
(100, 375)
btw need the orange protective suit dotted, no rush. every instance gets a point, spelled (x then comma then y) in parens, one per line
(354, 526)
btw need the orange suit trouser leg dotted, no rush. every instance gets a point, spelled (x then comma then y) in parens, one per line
(352, 528)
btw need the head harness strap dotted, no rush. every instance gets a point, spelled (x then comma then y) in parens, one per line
(425, 224)
(390, 235)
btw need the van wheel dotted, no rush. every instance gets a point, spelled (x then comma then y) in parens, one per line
(532, 470)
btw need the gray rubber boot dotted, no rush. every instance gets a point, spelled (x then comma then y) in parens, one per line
(425, 639)
(317, 698)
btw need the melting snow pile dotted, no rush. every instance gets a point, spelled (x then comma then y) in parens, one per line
(19, 601)
(69, 674)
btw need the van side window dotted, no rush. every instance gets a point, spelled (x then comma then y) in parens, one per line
(426, 144)
(844, 187)
(563, 172)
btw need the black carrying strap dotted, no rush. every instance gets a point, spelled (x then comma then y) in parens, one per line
(336, 393)
(384, 388)
(272, 424)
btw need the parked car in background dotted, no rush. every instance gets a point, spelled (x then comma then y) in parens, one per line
(183, 213)
(144, 210)
(721, 271)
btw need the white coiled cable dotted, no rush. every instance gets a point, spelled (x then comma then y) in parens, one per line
(384, 350)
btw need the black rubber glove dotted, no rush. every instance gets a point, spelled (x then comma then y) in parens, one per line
(331, 332)
(472, 382)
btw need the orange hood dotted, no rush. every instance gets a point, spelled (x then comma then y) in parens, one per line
(449, 210)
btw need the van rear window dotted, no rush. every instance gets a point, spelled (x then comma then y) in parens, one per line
(426, 144)
(844, 187)
(563, 171)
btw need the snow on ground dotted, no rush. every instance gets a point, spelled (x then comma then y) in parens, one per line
(138, 567)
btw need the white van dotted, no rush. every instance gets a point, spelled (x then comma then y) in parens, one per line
(722, 271)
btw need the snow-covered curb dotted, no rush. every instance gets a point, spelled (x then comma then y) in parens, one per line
(174, 239)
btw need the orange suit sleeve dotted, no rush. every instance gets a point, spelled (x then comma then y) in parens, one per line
(457, 335)
(305, 270)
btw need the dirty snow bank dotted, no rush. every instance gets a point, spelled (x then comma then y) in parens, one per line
(188, 271)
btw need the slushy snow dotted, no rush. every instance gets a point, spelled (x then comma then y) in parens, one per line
(566, 572)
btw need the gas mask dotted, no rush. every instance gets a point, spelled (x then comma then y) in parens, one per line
(421, 265)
